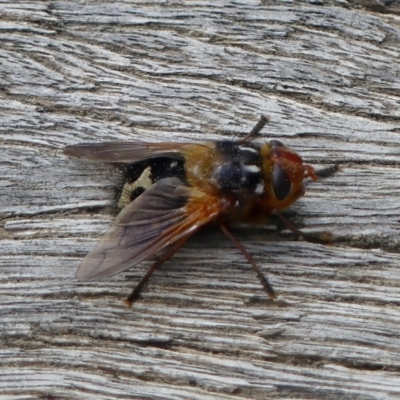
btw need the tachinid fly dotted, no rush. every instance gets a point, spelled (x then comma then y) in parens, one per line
(214, 181)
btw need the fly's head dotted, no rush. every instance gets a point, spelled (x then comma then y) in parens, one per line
(284, 174)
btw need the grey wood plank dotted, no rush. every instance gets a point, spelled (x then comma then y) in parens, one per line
(328, 77)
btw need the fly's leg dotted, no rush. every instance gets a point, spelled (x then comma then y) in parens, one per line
(321, 237)
(254, 132)
(168, 254)
(264, 281)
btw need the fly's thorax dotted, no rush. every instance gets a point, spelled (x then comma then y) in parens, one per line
(238, 170)
(199, 163)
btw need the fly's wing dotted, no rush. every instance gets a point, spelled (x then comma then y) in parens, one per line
(160, 216)
(124, 152)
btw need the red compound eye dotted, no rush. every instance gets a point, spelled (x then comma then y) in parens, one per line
(281, 183)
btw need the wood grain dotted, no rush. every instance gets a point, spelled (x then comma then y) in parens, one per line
(328, 77)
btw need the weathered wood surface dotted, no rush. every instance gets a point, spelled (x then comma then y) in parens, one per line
(203, 328)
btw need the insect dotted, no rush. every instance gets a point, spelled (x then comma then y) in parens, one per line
(216, 181)
(139, 176)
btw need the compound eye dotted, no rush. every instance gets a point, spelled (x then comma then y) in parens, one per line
(276, 143)
(281, 183)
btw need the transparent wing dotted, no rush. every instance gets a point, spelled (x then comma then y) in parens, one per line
(120, 152)
(160, 216)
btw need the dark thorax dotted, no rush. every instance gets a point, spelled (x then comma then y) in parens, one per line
(238, 170)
